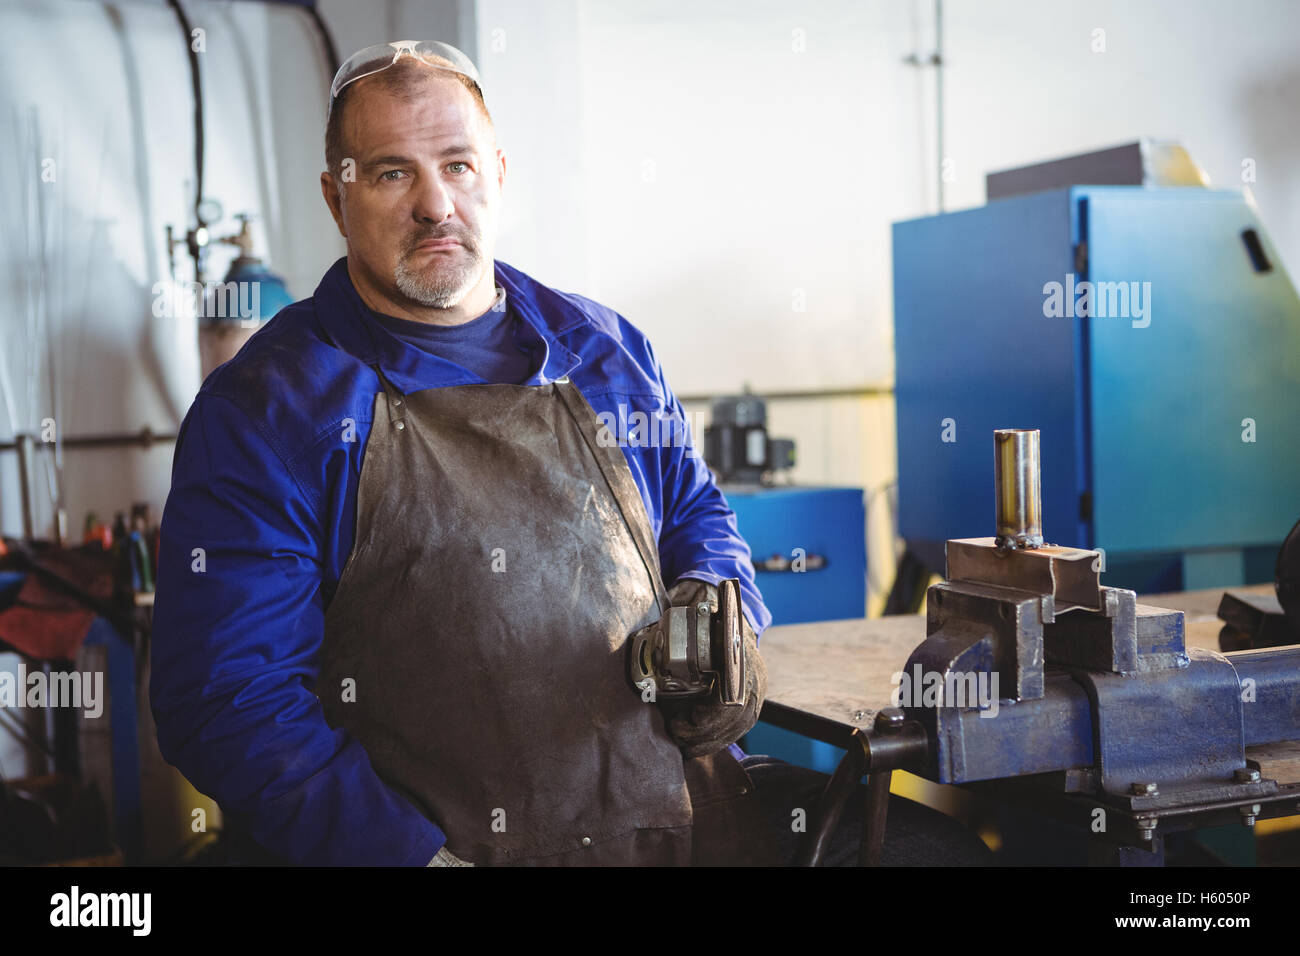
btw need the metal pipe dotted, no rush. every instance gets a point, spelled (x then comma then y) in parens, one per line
(144, 438)
(26, 444)
(862, 391)
(937, 60)
(872, 847)
(22, 444)
(1017, 481)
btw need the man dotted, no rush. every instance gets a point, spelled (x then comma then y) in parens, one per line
(401, 560)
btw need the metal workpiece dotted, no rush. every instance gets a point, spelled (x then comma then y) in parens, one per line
(1072, 576)
(1019, 497)
(1253, 621)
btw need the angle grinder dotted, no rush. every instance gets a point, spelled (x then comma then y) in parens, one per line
(691, 649)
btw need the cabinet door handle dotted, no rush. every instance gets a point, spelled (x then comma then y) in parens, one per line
(1255, 249)
(779, 562)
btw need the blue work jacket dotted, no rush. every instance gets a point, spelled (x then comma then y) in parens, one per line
(260, 522)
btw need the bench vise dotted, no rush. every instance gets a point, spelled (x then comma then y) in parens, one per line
(1073, 697)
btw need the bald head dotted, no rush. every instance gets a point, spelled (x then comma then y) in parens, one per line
(406, 80)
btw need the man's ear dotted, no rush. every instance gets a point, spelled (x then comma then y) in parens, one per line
(501, 168)
(330, 190)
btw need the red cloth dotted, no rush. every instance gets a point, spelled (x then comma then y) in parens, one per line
(48, 624)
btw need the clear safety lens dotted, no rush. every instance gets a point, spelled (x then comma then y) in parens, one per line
(376, 59)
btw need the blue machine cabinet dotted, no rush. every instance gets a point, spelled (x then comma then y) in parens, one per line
(825, 522)
(821, 522)
(1169, 413)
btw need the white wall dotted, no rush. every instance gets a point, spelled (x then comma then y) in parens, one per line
(717, 174)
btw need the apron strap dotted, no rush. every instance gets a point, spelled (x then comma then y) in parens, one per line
(396, 400)
(618, 478)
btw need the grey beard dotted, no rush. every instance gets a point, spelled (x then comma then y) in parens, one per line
(439, 289)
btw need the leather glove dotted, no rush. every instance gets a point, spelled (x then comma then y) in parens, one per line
(445, 857)
(706, 725)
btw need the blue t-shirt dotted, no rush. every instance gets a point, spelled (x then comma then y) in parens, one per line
(496, 346)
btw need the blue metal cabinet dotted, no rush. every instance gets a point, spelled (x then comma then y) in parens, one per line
(1142, 415)
(829, 523)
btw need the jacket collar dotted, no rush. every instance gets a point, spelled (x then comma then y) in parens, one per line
(349, 325)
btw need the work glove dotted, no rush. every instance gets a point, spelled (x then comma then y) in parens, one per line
(702, 726)
(445, 857)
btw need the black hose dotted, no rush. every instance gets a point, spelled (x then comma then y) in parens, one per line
(843, 784)
(331, 54)
(197, 86)
(326, 38)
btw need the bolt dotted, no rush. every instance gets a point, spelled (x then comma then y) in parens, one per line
(889, 720)
(1245, 775)
(1146, 830)
(860, 714)
(1145, 788)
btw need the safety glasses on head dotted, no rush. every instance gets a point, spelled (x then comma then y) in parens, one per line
(377, 58)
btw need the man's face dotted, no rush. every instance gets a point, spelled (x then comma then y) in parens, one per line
(421, 216)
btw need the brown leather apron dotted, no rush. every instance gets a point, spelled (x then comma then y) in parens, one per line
(475, 645)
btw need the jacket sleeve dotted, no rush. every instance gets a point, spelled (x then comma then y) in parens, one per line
(699, 538)
(238, 625)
